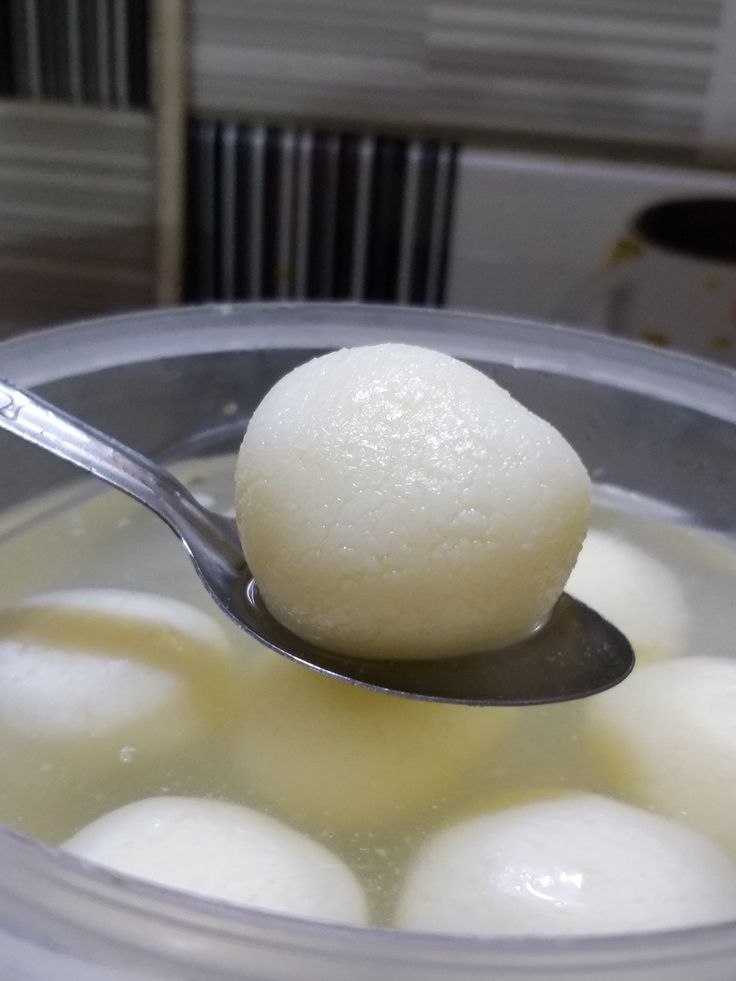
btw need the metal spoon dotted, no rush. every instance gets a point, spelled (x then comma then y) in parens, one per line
(576, 653)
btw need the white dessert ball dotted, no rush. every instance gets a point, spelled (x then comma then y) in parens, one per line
(101, 685)
(327, 754)
(635, 592)
(223, 851)
(574, 865)
(395, 502)
(666, 737)
(92, 663)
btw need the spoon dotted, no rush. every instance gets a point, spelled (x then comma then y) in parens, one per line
(574, 654)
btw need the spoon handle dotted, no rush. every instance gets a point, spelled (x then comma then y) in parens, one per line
(26, 415)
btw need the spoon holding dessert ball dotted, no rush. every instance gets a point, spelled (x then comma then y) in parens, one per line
(574, 653)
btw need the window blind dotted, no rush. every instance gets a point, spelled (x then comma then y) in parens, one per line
(640, 71)
(281, 213)
(79, 51)
(76, 212)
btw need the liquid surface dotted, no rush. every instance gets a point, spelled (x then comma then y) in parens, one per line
(86, 538)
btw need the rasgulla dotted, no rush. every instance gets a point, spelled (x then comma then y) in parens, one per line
(666, 738)
(572, 865)
(395, 502)
(634, 591)
(224, 851)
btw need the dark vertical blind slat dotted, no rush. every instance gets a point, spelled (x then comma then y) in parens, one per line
(61, 51)
(422, 232)
(45, 17)
(347, 191)
(261, 176)
(447, 219)
(93, 51)
(243, 284)
(192, 286)
(270, 221)
(209, 191)
(384, 238)
(7, 57)
(203, 187)
(138, 53)
(21, 84)
(317, 216)
(112, 55)
(89, 51)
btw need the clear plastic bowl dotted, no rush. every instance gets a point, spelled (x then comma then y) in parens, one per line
(657, 424)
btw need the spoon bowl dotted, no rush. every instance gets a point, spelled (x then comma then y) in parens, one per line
(574, 654)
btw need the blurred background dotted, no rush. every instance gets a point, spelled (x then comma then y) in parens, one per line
(571, 160)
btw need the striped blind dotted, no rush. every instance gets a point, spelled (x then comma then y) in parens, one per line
(645, 71)
(76, 212)
(625, 69)
(79, 51)
(282, 213)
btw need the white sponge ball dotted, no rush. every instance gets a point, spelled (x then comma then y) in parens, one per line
(223, 851)
(635, 592)
(82, 665)
(395, 502)
(667, 738)
(574, 865)
(100, 688)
